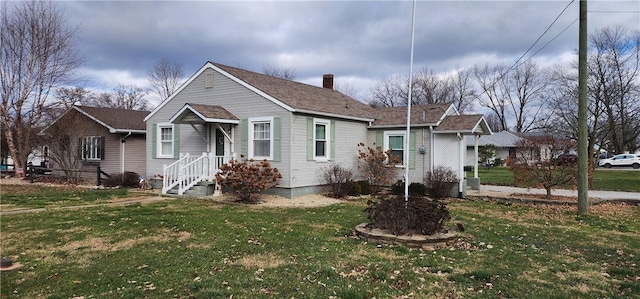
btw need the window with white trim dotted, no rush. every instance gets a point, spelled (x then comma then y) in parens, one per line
(394, 141)
(321, 133)
(92, 148)
(261, 138)
(165, 141)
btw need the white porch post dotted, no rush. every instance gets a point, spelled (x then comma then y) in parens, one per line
(475, 155)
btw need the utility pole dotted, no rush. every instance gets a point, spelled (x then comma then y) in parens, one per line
(583, 154)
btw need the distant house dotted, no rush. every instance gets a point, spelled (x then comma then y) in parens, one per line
(222, 113)
(505, 144)
(84, 138)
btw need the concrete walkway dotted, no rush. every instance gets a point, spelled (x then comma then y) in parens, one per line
(489, 190)
(109, 204)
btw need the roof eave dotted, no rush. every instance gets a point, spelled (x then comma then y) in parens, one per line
(364, 119)
(116, 131)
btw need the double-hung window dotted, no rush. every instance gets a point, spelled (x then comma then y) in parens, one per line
(165, 141)
(92, 148)
(261, 138)
(321, 133)
(394, 141)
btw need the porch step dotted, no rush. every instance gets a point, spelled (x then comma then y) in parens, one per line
(202, 189)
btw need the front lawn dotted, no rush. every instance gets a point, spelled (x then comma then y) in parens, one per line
(181, 248)
(33, 196)
(604, 179)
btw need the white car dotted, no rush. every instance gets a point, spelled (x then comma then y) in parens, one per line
(621, 160)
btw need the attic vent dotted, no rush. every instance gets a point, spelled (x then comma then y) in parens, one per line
(208, 80)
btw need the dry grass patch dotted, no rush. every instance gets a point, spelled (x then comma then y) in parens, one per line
(261, 261)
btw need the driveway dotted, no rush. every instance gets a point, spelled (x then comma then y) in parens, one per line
(604, 195)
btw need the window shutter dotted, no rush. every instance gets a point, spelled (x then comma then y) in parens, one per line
(102, 149)
(310, 139)
(380, 140)
(277, 142)
(244, 150)
(154, 136)
(176, 141)
(412, 150)
(332, 142)
(81, 151)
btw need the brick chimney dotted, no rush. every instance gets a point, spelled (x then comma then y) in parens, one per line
(327, 81)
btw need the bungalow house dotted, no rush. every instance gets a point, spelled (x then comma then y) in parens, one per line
(223, 112)
(84, 138)
(505, 144)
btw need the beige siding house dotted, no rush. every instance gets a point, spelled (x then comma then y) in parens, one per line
(84, 138)
(223, 112)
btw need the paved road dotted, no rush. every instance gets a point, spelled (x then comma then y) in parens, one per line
(607, 195)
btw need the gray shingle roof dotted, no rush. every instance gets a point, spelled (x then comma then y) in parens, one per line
(302, 96)
(429, 114)
(499, 139)
(213, 111)
(459, 123)
(117, 119)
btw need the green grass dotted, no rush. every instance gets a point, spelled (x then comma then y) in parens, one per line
(604, 179)
(179, 248)
(37, 196)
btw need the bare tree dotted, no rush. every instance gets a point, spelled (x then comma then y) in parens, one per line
(527, 86)
(283, 73)
(616, 66)
(391, 92)
(428, 87)
(346, 89)
(464, 94)
(516, 93)
(491, 84)
(65, 144)
(538, 163)
(613, 92)
(166, 77)
(37, 54)
(65, 98)
(494, 122)
(129, 97)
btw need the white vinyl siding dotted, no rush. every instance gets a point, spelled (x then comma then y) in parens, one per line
(261, 138)
(165, 141)
(321, 141)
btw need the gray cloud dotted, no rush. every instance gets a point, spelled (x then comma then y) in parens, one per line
(362, 40)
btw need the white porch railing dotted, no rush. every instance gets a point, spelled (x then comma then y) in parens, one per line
(190, 170)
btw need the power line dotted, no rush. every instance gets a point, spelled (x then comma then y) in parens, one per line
(615, 11)
(554, 38)
(531, 47)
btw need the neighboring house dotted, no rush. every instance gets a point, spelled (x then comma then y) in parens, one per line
(84, 138)
(505, 144)
(223, 112)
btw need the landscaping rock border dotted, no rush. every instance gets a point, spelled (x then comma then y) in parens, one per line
(376, 235)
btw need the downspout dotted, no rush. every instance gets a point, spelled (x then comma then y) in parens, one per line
(431, 154)
(123, 141)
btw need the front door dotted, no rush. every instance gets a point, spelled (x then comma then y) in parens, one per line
(219, 143)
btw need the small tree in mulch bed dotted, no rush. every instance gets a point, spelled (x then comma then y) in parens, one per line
(248, 178)
(377, 165)
(418, 214)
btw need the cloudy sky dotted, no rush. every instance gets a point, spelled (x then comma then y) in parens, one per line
(360, 42)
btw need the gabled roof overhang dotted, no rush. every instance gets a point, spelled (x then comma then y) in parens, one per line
(202, 114)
